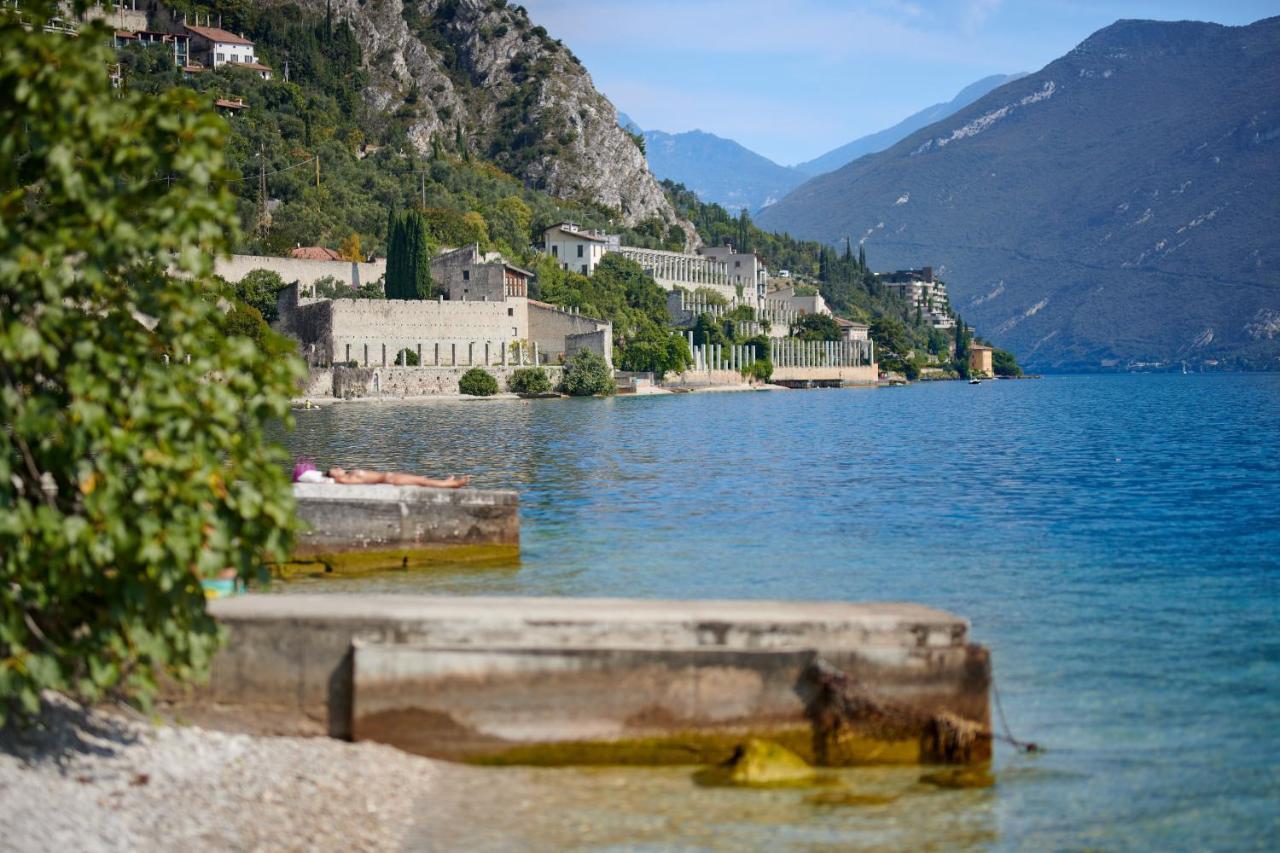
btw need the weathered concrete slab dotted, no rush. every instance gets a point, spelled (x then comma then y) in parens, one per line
(374, 528)
(509, 680)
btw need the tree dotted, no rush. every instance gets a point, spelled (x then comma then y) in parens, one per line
(349, 248)
(816, 327)
(133, 456)
(1004, 363)
(260, 289)
(656, 350)
(406, 358)
(408, 273)
(586, 375)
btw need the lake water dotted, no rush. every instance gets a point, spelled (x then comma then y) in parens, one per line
(1115, 541)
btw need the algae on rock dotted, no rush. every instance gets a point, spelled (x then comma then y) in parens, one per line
(759, 762)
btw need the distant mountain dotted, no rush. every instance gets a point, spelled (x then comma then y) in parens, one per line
(719, 170)
(1121, 205)
(874, 142)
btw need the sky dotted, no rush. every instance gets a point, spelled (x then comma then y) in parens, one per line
(793, 79)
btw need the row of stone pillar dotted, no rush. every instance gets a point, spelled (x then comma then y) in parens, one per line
(790, 352)
(489, 353)
(721, 356)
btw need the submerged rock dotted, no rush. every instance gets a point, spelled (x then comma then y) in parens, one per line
(960, 777)
(759, 762)
(849, 798)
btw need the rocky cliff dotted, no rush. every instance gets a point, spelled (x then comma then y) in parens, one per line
(482, 71)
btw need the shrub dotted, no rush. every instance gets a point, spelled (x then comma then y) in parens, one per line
(529, 380)
(478, 382)
(759, 369)
(406, 358)
(161, 468)
(587, 374)
(259, 288)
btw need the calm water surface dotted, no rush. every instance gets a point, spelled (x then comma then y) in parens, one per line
(1114, 540)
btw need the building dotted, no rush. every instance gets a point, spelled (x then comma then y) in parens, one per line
(215, 47)
(467, 275)
(852, 331)
(801, 303)
(923, 292)
(980, 360)
(677, 269)
(577, 249)
(745, 270)
(179, 44)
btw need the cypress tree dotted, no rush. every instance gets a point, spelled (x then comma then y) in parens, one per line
(862, 257)
(392, 278)
(419, 286)
(848, 249)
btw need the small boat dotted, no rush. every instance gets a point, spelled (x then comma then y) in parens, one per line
(975, 381)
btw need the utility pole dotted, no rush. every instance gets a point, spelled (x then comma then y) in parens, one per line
(317, 170)
(262, 192)
(423, 176)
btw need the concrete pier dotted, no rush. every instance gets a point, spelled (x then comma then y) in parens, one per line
(376, 528)
(587, 681)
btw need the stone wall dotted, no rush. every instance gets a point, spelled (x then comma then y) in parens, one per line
(551, 328)
(699, 378)
(304, 272)
(392, 382)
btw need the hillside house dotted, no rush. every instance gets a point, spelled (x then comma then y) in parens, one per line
(577, 249)
(922, 292)
(466, 275)
(216, 47)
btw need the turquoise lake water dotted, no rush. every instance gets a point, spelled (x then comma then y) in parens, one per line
(1115, 541)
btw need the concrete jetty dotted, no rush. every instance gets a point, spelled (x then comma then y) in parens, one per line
(356, 529)
(589, 681)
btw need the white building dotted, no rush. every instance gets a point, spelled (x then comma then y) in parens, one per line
(852, 331)
(801, 303)
(215, 47)
(745, 270)
(577, 249)
(922, 292)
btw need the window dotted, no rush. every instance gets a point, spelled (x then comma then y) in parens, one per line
(737, 264)
(555, 251)
(584, 269)
(222, 57)
(579, 250)
(466, 275)
(511, 312)
(515, 333)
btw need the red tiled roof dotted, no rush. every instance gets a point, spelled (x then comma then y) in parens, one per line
(215, 34)
(237, 104)
(314, 253)
(253, 66)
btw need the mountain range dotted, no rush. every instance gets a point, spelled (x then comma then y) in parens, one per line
(725, 172)
(1116, 208)
(881, 140)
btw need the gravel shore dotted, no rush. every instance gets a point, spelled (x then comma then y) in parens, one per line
(90, 780)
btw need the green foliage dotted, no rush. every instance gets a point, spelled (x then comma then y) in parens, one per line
(259, 288)
(407, 358)
(408, 257)
(656, 350)
(587, 374)
(329, 287)
(760, 369)
(816, 327)
(1005, 364)
(708, 330)
(529, 380)
(707, 296)
(160, 470)
(892, 344)
(964, 336)
(478, 382)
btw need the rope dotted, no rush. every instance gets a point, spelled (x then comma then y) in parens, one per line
(1020, 745)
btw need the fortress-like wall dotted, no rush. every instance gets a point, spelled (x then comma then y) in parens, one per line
(304, 272)
(551, 328)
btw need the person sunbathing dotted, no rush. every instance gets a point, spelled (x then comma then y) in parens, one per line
(306, 472)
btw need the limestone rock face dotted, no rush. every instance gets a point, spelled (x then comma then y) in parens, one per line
(520, 98)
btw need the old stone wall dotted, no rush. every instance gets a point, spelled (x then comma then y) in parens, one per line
(550, 328)
(304, 272)
(391, 382)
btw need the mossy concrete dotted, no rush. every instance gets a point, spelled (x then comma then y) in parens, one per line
(547, 681)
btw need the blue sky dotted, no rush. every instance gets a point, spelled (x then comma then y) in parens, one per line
(796, 78)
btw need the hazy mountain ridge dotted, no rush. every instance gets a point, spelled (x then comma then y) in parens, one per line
(1118, 206)
(873, 142)
(719, 170)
